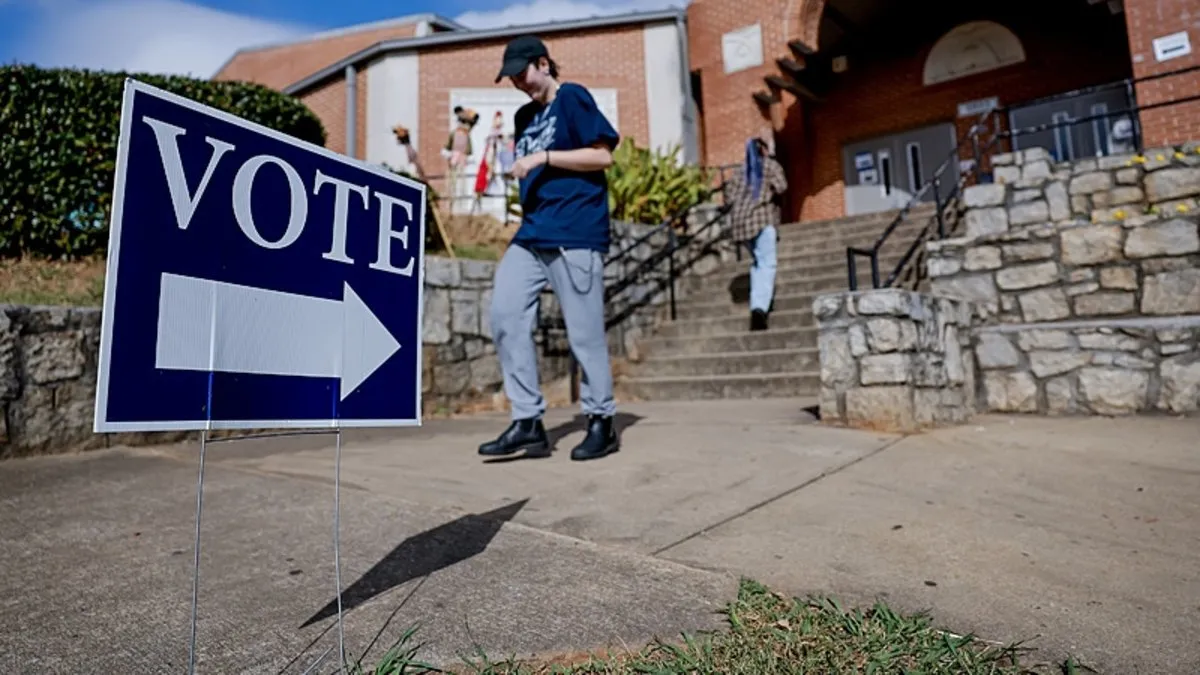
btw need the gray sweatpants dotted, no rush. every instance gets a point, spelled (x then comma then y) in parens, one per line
(577, 277)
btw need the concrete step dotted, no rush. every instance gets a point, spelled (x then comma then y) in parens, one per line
(836, 250)
(709, 307)
(843, 222)
(900, 239)
(856, 225)
(785, 272)
(737, 319)
(742, 341)
(835, 259)
(732, 363)
(698, 388)
(717, 288)
(857, 234)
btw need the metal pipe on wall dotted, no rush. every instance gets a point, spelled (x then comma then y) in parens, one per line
(351, 111)
(691, 149)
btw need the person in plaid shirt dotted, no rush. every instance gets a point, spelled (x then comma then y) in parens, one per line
(755, 194)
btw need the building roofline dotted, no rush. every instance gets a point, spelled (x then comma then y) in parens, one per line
(465, 36)
(428, 17)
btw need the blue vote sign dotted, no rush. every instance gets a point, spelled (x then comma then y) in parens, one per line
(255, 280)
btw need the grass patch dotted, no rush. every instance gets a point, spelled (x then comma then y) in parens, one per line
(80, 283)
(769, 634)
(33, 281)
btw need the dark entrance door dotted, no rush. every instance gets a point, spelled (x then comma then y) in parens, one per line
(884, 173)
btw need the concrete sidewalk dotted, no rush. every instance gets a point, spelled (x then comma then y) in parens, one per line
(1081, 534)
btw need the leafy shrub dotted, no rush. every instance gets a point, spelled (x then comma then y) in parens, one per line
(58, 149)
(650, 187)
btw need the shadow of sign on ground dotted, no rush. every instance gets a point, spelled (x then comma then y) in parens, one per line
(422, 555)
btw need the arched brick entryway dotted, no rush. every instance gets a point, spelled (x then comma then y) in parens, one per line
(805, 23)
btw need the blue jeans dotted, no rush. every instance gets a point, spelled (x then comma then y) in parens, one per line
(762, 268)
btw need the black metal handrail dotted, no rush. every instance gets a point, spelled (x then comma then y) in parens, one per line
(989, 122)
(935, 184)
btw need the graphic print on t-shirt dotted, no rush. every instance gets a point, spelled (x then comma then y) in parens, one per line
(539, 135)
(562, 208)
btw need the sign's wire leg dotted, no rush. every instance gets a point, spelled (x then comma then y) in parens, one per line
(337, 558)
(196, 552)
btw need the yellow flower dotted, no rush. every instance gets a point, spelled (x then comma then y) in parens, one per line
(1119, 214)
(1139, 159)
(1178, 155)
(1182, 208)
(1159, 157)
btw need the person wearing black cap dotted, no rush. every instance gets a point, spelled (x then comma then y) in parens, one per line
(564, 144)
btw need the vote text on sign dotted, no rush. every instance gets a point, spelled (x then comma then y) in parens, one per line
(255, 280)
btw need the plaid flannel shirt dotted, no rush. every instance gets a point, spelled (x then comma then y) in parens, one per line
(748, 216)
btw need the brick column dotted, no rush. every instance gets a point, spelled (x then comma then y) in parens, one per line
(1146, 20)
(730, 113)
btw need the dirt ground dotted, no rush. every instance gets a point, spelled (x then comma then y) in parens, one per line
(478, 237)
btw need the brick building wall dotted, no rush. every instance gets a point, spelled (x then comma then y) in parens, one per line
(277, 67)
(730, 114)
(360, 113)
(888, 96)
(1149, 19)
(328, 102)
(607, 58)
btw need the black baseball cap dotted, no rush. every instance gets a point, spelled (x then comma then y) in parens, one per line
(519, 53)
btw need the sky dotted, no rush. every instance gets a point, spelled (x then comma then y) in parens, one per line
(195, 37)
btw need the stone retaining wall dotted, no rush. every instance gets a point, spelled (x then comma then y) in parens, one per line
(48, 354)
(48, 360)
(895, 360)
(1088, 275)
(459, 360)
(1144, 265)
(1092, 367)
(1032, 255)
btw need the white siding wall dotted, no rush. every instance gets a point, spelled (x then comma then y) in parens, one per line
(393, 97)
(666, 98)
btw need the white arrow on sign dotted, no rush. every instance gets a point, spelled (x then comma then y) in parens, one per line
(216, 326)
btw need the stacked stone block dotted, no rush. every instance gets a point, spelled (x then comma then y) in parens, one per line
(895, 360)
(1088, 278)
(1100, 368)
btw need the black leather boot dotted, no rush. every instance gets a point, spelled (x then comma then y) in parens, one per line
(601, 439)
(758, 320)
(528, 435)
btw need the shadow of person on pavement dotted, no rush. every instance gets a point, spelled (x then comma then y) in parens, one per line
(739, 289)
(621, 421)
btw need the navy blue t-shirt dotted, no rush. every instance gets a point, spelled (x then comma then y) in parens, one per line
(562, 208)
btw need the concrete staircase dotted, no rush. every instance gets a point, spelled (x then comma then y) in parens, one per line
(709, 351)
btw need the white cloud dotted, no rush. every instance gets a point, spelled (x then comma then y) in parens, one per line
(154, 36)
(543, 11)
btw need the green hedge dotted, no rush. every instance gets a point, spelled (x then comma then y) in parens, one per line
(58, 147)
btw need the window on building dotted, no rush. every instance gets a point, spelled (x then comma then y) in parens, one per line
(915, 179)
(885, 168)
(1100, 128)
(1064, 148)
